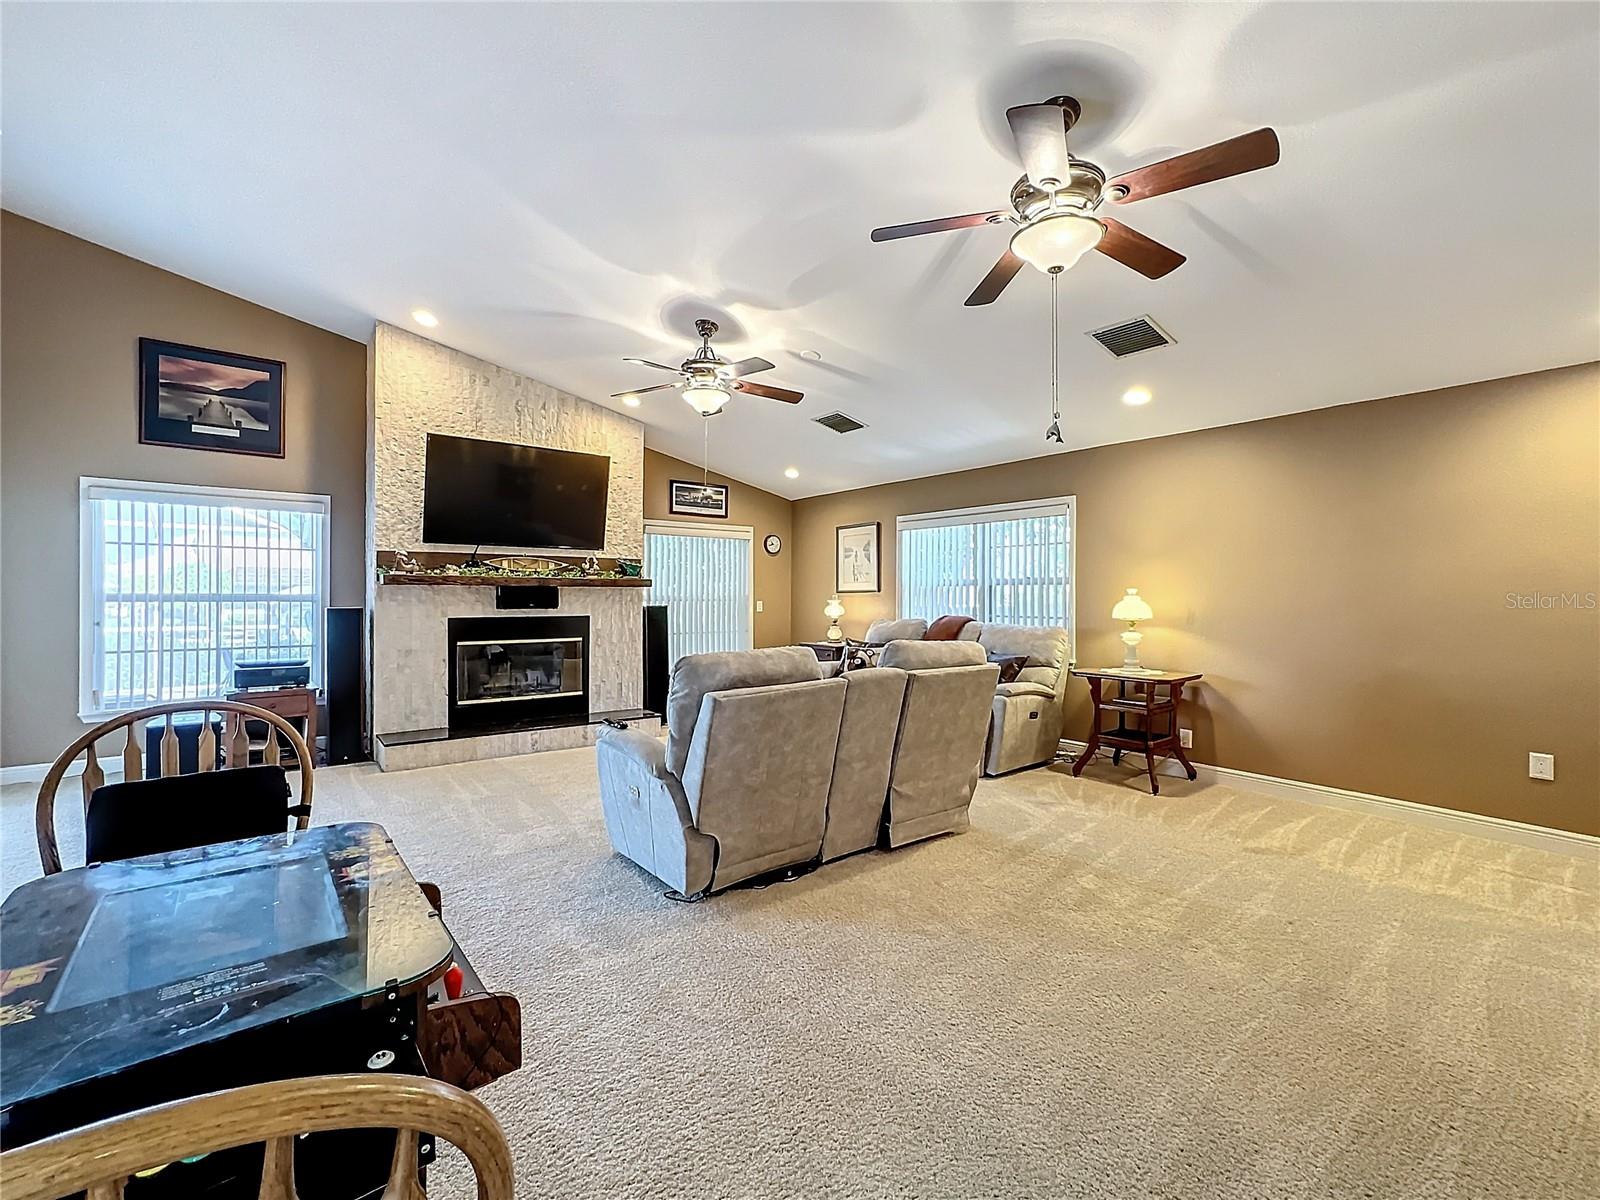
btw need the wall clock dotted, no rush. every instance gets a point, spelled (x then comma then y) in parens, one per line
(772, 544)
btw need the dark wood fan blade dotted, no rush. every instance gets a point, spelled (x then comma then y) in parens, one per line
(889, 232)
(645, 362)
(1247, 152)
(1132, 249)
(747, 366)
(770, 392)
(1002, 273)
(641, 391)
(1040, 131)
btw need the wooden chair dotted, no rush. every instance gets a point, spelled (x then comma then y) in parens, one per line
(100, 1158)
(236, 753)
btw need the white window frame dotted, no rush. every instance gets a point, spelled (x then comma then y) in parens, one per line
(746, 533)
(1064, 505)
(91, 562)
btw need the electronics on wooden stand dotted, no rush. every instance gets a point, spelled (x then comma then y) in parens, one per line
(343, 692)
(272, 673)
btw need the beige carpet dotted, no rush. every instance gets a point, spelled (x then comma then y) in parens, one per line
(1093, 993)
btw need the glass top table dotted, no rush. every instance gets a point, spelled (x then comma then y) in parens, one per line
(109, 966)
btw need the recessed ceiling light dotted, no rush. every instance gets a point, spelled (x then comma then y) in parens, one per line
(631, 401)
(811, 355)
(791, 473)
(424, 318)
(1135, 396)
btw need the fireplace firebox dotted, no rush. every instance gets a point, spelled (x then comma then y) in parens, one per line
(517, 672)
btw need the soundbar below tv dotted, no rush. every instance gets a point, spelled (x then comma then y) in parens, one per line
(478, 493)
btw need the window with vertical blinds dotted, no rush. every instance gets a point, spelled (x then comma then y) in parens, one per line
(1010, 564)
(177, 583)
(703, 577)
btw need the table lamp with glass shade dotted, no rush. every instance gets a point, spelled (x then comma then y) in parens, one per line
(1132, 609)
(833, 610)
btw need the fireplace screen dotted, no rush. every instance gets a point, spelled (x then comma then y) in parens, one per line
(492, 672)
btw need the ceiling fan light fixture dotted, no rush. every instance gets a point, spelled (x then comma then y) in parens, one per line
(1056, 243)
(704, 398)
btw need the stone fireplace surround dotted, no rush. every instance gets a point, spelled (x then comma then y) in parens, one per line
(421, 387)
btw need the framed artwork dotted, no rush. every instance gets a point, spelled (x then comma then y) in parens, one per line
(209, 399)
(697, 499)
(857, 566)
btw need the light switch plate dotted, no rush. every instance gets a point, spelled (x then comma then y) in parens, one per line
(1541, 766)
(760, 607)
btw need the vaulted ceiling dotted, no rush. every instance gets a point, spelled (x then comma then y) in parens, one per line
(567, 184)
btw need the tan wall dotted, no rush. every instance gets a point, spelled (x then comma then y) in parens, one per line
(1341, 577)
(747, 505)
(71, 316)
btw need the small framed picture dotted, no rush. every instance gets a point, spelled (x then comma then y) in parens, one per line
(697, 499)
(209, 399)
(858, 565)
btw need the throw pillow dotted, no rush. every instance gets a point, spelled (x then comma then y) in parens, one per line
(946, 629)
(1010, 666)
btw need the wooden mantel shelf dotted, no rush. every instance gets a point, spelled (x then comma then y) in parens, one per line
(511, 580)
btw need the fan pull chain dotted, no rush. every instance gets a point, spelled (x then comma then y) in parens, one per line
(705, 449)
(1053, 434)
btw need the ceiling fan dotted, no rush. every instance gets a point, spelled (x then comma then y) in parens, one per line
(708, 380)
(1055, 204)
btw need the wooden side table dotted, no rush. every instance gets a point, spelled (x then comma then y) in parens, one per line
(289, 703)
(1147, 705)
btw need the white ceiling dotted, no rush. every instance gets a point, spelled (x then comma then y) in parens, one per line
(564, 185)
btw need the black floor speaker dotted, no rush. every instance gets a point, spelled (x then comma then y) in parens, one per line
(656, 670)
(345, 633)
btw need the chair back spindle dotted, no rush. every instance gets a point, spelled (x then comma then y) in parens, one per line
(93, 776)
(169, 750)
(208, 743)
(132, 759)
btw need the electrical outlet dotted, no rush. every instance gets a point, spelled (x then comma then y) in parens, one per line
(1186, 738)
(760, 607)
(1541, 766)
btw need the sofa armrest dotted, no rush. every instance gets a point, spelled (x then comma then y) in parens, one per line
(647, 816)
(648, 752)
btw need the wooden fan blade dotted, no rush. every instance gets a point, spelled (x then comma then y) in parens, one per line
(1002, 273)
(770, 392)
(641, 391)
(889, 232)
(645, 362)
(1132, 249)
(1247, 152)
(1040, 131)
(747, 366)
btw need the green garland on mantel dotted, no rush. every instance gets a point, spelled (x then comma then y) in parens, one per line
(493, 572)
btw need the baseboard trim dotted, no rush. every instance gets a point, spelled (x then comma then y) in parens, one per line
(1542, 837)
(35, 772)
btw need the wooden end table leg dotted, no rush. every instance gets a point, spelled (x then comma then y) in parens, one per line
(1150, 769)
(1094, 730)
(1176, 691)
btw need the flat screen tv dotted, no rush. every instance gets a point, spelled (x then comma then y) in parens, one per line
(478, 493)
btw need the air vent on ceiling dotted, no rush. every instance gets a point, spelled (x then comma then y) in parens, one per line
(840, 423)
(1132, 337)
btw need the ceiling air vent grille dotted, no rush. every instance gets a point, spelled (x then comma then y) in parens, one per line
(1132, 337)
(840, 423)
